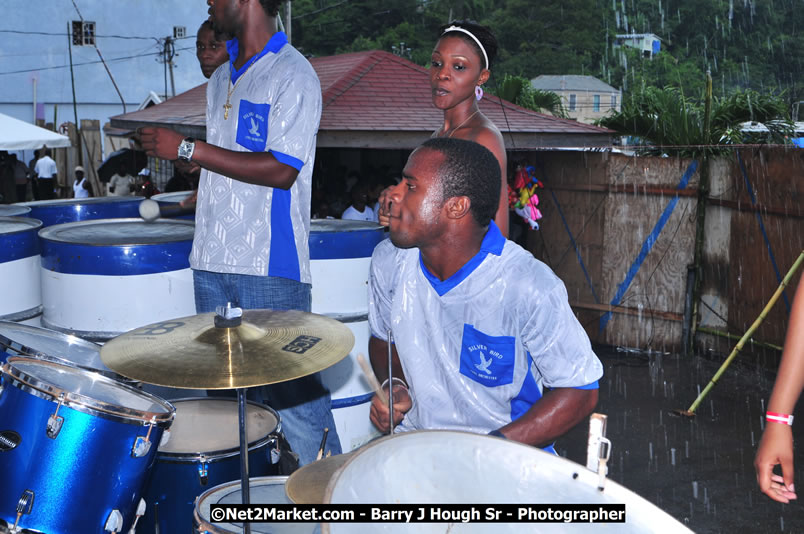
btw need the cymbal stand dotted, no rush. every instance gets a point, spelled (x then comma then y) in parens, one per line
(244, 479)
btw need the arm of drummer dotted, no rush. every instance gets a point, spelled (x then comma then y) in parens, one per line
(776, 445)
(259, 168)
(552, 416)
(378, 354)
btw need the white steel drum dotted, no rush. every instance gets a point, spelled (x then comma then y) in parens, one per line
(14, 210)
(20, 267)
(104, 277)
(447, 467)
(340, 256)
(262, 490)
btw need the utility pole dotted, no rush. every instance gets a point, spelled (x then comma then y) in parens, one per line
(168, 53)
(287, 18)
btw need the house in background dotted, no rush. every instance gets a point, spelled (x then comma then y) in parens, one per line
(585, 98)
(648, 43)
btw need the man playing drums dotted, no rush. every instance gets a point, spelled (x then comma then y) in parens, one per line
(484, 339)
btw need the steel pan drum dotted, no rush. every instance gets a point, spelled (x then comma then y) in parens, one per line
(202, 453)
(14, 210)
(19, 269)
(76, 447)
(445, 467)
(102, 278)
(263, 490)
(67, 210)
(340, 255)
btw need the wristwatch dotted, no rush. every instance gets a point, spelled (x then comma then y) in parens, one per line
(186, 148)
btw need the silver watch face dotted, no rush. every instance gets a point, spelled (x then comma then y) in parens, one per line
(186, 149)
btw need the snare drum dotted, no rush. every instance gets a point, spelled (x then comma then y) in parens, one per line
(67, 210)
(458, 467)
(76, 447)
(262, 490)
(102, 278)
(203, 452)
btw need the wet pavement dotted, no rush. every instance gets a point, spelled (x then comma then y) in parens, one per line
(699, 470)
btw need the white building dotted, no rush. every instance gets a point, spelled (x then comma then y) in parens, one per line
(647, 43)
(40, 36)
(585, 98)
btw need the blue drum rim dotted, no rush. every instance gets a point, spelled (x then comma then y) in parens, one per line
(344, 244)
(61, 202)
(81, 403)
(127, 259)
(216, 456)
(22, 243)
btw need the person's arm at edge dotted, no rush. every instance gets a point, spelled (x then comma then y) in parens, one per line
(551, 416)
(776, 445)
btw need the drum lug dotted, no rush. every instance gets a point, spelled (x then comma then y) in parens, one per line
(24, 506)
(55, 421)
(142, 445)
(203, 471)
(140, 513)
(114, 523)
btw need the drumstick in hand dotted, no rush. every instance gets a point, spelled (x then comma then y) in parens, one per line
(372, 380)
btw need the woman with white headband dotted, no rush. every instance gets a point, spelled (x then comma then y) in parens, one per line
(458, 69)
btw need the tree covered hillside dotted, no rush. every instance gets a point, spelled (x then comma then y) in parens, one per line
(755, 44)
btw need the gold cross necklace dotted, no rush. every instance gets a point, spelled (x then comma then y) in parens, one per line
(227, 106)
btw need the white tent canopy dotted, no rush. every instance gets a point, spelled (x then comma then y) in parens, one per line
(19, 135)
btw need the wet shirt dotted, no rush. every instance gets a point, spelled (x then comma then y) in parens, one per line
(479, 348)
(275, 107)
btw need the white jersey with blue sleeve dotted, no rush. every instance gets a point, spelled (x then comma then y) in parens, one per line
(243, 228)
(479, 348)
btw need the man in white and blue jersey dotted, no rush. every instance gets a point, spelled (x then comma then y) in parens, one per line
(253, 212)
(483, 335)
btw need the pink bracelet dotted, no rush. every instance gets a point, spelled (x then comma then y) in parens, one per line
(783, 418)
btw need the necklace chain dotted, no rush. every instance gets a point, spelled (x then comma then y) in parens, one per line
(452, 131)
(227, 106)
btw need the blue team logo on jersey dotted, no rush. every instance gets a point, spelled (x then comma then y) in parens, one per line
(252, 126)
(488, 360)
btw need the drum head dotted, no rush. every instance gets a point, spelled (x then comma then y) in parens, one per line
(38, 342)
(86, 391)
(12, 225)
(263, 490)
(458, 467)
(117, 232)
(14, 210)
(210, 425)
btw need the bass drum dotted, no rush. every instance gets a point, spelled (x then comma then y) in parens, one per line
(458, 467)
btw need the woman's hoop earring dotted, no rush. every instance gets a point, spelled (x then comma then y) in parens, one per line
(478, 92)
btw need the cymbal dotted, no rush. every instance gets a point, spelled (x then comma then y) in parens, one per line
(307, 484)
(266, 348)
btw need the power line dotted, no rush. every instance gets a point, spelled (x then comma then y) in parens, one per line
(19, 32)
(117, 59)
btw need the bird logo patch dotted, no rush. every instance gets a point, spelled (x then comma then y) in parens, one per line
(252, 125)
(488, 360)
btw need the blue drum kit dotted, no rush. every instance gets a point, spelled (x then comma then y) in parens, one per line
(84, 450)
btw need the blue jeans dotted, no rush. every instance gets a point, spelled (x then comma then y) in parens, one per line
(304, 403)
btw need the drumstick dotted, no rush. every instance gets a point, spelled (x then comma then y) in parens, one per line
(323, 443)
(372, 380)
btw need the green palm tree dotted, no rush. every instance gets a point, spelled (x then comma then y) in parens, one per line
(518, 90)
(666, 118)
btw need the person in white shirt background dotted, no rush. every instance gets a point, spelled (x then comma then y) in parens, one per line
(359, 210)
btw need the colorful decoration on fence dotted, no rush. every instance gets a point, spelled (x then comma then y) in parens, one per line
(522, 197)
